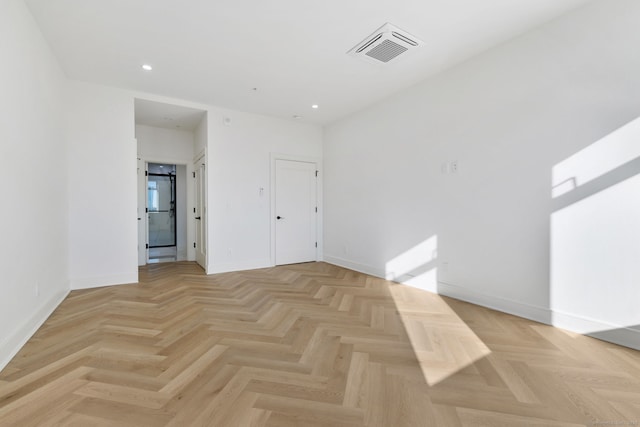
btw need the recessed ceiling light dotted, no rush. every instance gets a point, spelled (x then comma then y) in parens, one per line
(147, 67)
(314, 106)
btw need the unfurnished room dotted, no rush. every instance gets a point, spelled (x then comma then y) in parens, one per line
(341, 213)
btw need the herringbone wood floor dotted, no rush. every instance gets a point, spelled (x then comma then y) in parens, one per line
(306, 345)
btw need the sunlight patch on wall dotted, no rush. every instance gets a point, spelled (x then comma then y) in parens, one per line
(595, 268)
(610, 152)
(417, 266)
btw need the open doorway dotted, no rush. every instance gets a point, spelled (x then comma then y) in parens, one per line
(164, 215)
(172, 143)
(162, 223)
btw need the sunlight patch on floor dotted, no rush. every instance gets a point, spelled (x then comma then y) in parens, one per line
(443, 343)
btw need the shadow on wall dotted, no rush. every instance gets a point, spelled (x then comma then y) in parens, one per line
(594, 243)
(595, 239)
(610, 155)
(594, 282)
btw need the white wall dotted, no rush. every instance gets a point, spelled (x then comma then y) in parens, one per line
(173, 146)
(595, 238)
(508, 117)
(201, 136)
(239, 218)
(101, 126)
(33, 218)
(184, 215)
(102, 186)
(238, 165)
(165, 145)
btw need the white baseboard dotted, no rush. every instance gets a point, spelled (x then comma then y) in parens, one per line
(622, 335)
(15, 342)
(538, 314)
(531, 312)
(98, 282)
(239, 266)
(362, 268)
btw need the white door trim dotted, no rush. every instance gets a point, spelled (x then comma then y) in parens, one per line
(191, 253)
(141, 197)
(201, 159)
(272, 210)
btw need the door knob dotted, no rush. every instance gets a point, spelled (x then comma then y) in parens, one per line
(279, 217)
(198, 217)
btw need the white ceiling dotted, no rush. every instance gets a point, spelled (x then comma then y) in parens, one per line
(292, 51)
(167, 116)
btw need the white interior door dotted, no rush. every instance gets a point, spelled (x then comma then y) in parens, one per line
(200, 213)
(143, 251)
(296, 212)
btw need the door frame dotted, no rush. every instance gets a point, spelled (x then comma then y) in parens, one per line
(141, 195)
(188, 164)
(272, 197)
(198, 160)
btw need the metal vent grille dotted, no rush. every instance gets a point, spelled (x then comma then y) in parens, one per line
(386, 51)
(385, 44)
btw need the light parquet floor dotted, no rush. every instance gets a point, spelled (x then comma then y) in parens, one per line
(306, 345)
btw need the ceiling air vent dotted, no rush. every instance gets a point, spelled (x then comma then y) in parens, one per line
(385, 44)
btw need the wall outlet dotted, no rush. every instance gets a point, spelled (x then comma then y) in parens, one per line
(454, 166)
